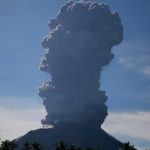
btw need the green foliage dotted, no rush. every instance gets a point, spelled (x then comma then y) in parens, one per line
(11, 145)
(127, 146)
(26, 146)
(8, 145)
(63, 146)
(73, 147)
(32, 146)
(90, 148)
(5, 145)
(36, 146)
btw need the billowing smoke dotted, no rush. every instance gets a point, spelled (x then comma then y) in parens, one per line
(75, 51)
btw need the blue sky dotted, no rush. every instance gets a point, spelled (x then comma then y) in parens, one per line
(126, 79)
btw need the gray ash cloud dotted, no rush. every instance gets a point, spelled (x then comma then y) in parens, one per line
(76, 49)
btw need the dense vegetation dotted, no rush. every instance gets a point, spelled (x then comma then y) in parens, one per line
(10, 145)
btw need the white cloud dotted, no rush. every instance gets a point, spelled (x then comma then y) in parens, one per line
(146, 70)
(128, 62)
(16, 121)
(134, 55)
(139, 65)
(129, 125)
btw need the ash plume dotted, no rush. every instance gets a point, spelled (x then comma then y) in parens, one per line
(75, 52)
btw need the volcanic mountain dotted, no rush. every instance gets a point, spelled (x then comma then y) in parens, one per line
(76, 49)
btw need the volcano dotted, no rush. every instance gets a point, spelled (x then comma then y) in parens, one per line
(76, 49)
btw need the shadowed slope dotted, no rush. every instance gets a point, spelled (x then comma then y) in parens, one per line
(71, 134)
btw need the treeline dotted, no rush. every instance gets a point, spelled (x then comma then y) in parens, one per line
(11, 145)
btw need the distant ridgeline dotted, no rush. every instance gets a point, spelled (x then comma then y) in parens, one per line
(75, 51)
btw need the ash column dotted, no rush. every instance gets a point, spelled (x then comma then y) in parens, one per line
(76, 49)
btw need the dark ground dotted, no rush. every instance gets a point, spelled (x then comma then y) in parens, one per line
(71, 134)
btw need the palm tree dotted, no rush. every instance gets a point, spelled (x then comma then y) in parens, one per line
(8, 145)
(127, 146)
(61, 146)
(12, 145)
(89, 148)
(71, 147)
(36, 146)
(26, 146)
(5, 145)
(74, 147)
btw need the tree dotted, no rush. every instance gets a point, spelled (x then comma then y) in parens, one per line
(127, 146)
(36, 146)
(90, 148)
(26, 146)
(73, 147)
(8, 145)
(61, 146)
(5, 145)
(12, 145)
